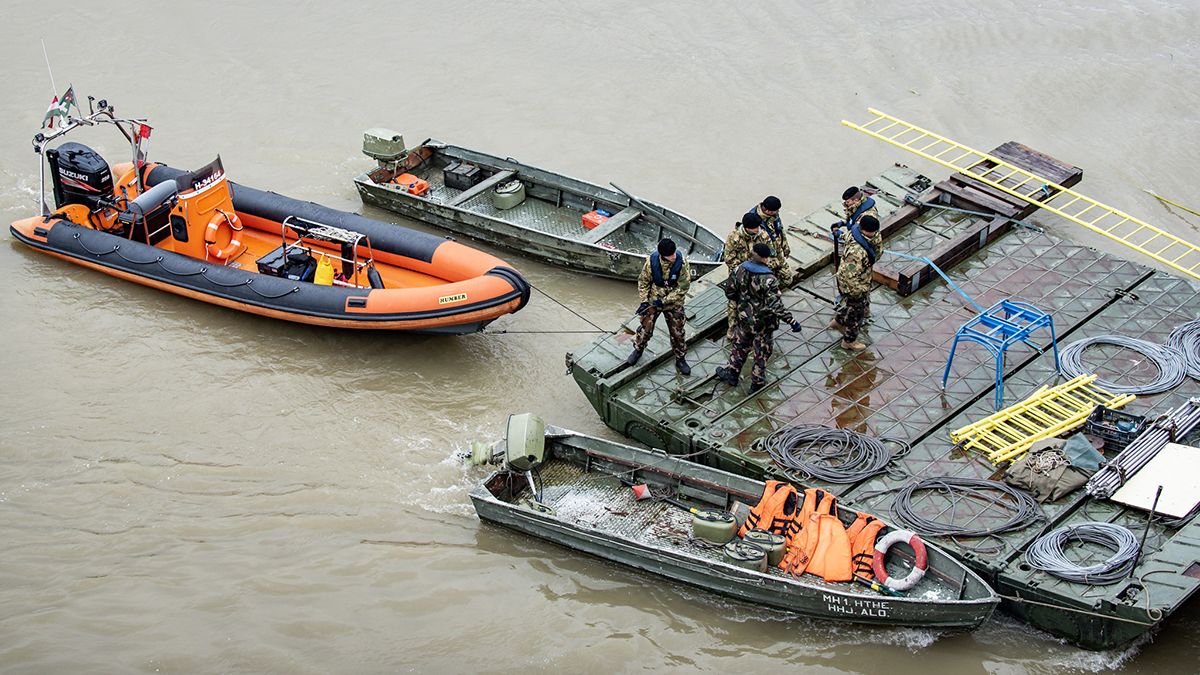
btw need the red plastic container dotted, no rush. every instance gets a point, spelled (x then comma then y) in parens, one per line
(412, 184)
(593, 218)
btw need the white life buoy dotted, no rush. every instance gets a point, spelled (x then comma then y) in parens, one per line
(920, 565)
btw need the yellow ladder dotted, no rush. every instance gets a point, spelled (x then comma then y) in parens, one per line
(1050, 411)
(1117, 225)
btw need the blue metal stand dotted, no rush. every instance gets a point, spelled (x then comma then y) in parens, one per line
(999, 327)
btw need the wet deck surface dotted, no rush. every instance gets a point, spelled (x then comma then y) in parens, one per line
(893, 389)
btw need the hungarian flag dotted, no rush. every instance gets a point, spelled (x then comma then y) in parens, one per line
(60, 108)
(51, 113)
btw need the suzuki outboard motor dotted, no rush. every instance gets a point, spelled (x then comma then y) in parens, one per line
(80, 174)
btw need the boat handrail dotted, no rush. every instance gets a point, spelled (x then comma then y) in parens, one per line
(311, 229)
(102, 116)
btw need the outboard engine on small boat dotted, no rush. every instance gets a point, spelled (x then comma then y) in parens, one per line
(80, 175)
(521, 452)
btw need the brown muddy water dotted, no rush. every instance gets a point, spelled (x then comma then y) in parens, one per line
(185, 488)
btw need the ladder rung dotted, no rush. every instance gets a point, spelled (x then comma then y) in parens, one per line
(995, 176)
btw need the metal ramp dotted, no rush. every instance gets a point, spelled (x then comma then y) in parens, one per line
(1114, 224)
(1050, 411)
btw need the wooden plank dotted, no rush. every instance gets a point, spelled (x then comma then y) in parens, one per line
(970, 241)
(1036, 162)
(621, 219)
(977, 200)
(482, 185)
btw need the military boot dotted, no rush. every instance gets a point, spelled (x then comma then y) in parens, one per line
(682, 366)
(755, 387)
(727, 375)
(634, 356)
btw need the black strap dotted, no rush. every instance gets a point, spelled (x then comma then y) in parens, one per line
(862, 241)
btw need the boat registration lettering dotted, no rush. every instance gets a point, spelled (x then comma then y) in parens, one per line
(447, 299)
(838, 604)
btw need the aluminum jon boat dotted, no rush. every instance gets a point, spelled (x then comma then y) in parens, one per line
(534, 212)
(199, 235)
(581, 498)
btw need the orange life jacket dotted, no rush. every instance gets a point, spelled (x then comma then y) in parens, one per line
(862, 543)
(831, 560)
(803, 545)
(773, 512)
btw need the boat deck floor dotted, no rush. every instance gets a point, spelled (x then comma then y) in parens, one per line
(601, 502)
(536, 214)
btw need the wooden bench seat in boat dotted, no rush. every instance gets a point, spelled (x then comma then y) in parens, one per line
(481, 186)
(623, 218)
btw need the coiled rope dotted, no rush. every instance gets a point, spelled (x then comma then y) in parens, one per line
(998, 498)
(1048, 553)
(831, 455)
(1170, 363)
(1185, 339)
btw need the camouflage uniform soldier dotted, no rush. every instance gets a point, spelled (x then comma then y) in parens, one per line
(737, 251)
(856, 203)
(760, 308)
(861, 247)
(768, 211)
(662, 286)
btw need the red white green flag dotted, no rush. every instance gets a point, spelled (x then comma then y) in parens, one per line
(60, 108)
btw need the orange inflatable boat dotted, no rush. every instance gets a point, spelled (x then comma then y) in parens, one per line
(196, 234)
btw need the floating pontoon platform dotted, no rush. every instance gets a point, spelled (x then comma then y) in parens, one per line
(893, 388)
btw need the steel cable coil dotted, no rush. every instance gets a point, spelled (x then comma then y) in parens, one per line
(1048, 553)
(831, 455)
(1185, 339)
(1170, 363)
(1000, 499)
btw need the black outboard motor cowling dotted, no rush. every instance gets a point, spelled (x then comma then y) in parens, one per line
(80, 174)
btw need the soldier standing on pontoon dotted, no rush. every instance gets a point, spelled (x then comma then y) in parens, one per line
(662, 286)
(861, 246)
(737, 251)
(768, 211)
(755, 291)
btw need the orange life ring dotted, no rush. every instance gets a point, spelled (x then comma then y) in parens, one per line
(231, 250)
(919, 565)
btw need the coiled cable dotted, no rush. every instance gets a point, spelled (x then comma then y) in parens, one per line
(1048, 553)
(831, 455)
(1185, 339)
(1170, 363)
(997, 498)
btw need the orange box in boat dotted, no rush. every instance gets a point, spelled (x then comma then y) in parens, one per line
(414, 185)
(593, 218)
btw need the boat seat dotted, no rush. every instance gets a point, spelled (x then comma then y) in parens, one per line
(623, 218)
(479, 187)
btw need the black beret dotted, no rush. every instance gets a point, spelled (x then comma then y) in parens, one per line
(761, 249)
(772, 203)
(850, 192)
(666, 247)
(868, 224)
(751, 221)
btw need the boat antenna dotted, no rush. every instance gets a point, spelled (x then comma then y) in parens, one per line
(53, 88)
